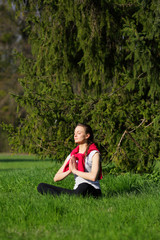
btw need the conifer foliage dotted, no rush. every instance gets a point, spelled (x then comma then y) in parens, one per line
(95, 62)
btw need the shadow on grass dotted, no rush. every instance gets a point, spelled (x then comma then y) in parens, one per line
(11, 169)
(25, 160)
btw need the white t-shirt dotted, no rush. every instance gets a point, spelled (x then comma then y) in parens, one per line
(88, 167)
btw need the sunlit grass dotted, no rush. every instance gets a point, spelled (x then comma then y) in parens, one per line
(129, 208)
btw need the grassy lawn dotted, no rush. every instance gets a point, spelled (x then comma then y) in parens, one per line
(21, 161)
(129, 208)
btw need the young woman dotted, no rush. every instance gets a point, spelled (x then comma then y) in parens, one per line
(83, 162)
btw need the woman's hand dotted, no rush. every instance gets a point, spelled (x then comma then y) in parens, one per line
(72, 164)
(93, 175)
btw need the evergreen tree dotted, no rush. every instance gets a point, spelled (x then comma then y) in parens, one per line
(95, 62)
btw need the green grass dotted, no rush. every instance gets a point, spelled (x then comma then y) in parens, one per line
(13, 161)
(129, 208)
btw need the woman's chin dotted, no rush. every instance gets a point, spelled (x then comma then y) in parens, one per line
(79, 142)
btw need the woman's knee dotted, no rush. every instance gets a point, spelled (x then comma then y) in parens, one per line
(40, 187)
(85, 189)
(81, 189)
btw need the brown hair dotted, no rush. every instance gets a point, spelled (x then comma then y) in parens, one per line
(88, 129)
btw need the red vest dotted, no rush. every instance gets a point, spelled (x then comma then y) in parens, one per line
(80, 157)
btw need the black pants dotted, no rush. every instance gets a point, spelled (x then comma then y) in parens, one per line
(83, 189)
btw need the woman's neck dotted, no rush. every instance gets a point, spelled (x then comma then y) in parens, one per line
(82, 147)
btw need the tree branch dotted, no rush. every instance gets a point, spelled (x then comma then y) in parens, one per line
(131, 137)
(118, 146)
(137, 144)
(143, 120)
(149, 124)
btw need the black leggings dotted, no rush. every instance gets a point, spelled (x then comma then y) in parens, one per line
(83, 189)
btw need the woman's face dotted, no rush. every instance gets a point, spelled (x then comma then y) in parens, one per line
(80, 135)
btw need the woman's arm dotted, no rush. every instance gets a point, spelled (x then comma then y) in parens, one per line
(60, 174)
(93, 175)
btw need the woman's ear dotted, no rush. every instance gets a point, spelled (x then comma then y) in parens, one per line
(87, 135)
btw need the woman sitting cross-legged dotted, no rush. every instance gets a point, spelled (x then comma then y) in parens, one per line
(84, 162)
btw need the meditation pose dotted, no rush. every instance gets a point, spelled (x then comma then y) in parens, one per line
(84, 162)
